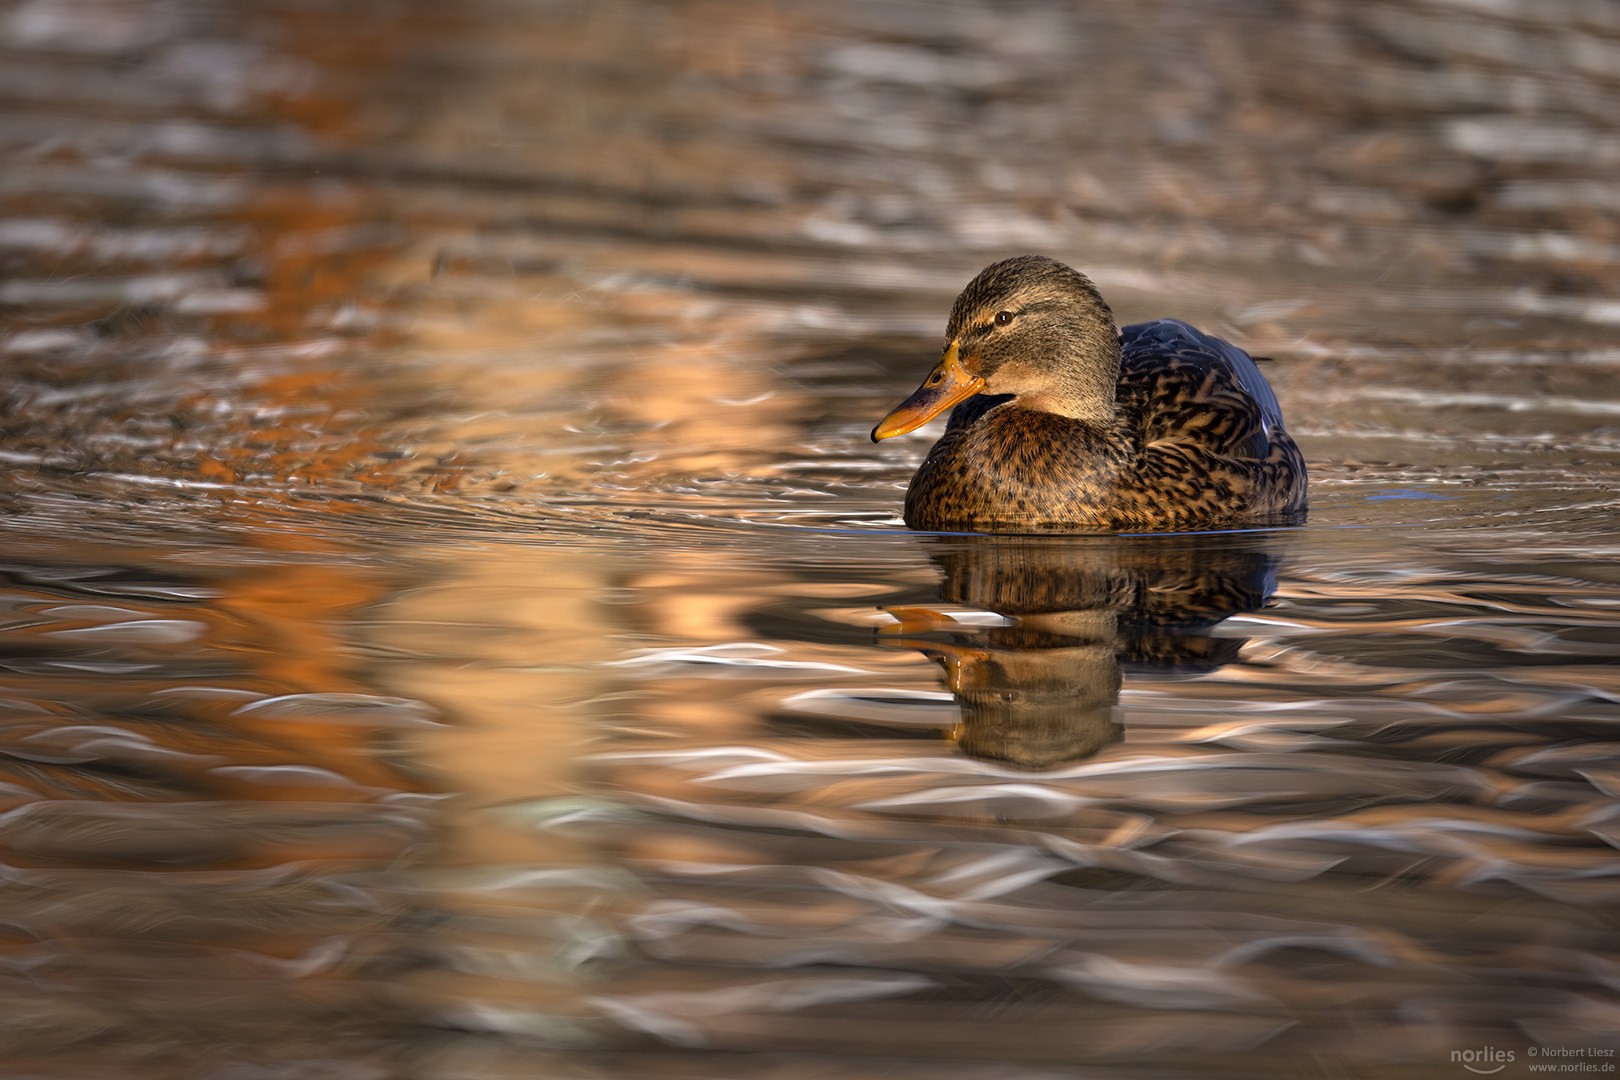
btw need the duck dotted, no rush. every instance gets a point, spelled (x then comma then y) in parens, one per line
(1062, 421)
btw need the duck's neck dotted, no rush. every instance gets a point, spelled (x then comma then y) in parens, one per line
(1082, 388)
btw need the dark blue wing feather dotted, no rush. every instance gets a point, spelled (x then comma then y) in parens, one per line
(1175, 338)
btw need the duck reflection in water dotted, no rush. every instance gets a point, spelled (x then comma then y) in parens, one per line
(1039, 688)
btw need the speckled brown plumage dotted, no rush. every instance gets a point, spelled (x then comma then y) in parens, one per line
(1079, 426)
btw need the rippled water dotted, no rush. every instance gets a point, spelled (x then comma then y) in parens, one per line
(456, 624)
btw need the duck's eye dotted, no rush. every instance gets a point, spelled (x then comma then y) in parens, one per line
(1003, 318)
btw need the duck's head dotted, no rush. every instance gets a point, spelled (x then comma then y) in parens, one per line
(1029, 327)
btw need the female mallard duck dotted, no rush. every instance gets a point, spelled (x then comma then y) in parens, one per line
(1063, 421)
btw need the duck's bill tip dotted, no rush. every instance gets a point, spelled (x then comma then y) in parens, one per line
(897, 424)
(907, 417)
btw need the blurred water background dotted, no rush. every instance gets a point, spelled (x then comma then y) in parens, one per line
(455, 625)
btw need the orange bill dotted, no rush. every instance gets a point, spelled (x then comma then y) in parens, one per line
(948, 384)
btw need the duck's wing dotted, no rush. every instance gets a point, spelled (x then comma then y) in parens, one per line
(1180, 385)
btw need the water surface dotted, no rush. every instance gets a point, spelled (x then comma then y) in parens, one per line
(457, 626)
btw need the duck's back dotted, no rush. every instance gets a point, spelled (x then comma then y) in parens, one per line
(1179, 380)
(1208, 425)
